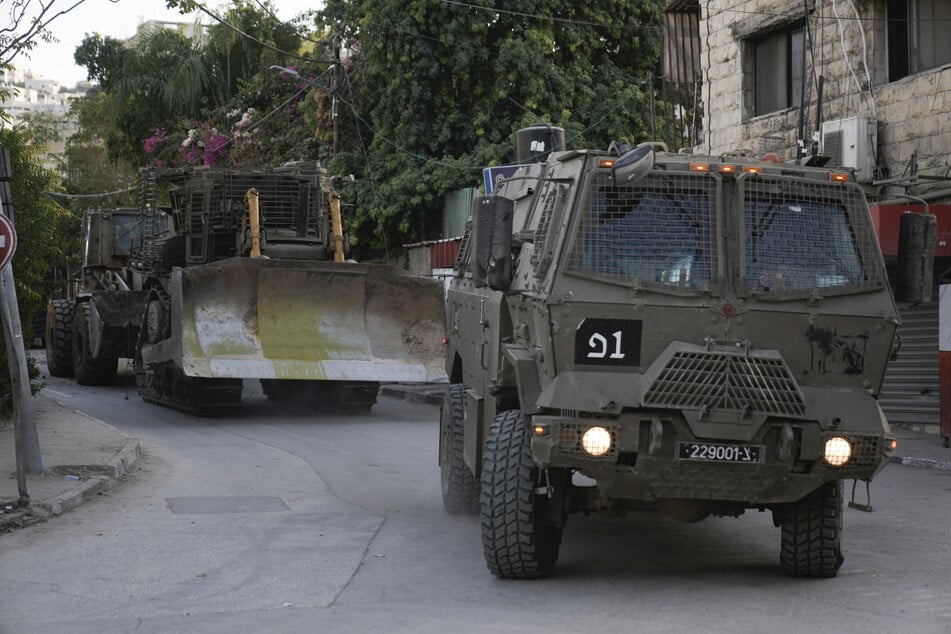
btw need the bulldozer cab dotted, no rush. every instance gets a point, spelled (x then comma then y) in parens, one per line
(212, 214)
(108, 236)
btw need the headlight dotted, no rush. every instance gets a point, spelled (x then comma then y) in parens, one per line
(838, 451)
(596, 441)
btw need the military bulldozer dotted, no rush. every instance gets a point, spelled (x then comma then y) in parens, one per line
(98, 320)
(243, 274)
(649, 331)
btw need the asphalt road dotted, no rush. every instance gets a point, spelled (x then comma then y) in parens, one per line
(281, 521)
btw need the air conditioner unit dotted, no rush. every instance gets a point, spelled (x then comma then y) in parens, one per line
(851, 142)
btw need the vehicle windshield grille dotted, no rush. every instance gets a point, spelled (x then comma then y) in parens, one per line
(656, 234)
(713, 381)
(802, 236)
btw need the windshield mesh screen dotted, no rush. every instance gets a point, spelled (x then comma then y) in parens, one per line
(655, 234)
(804, 236)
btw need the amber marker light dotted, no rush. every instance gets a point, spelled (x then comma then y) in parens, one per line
(699, 167)
(836, 177)
(727, 169)
(540, 430)
(606, 163)
(752, 169)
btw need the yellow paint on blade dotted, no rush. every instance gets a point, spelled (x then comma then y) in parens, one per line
(312, 316)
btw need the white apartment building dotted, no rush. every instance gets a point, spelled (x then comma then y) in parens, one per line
(26, 93)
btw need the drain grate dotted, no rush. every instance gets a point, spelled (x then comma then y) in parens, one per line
(226, 504)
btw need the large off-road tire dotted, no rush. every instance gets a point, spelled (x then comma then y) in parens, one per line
(812, 534)
(519, 540)
(88, 369)
(59, 337)
(460, 488)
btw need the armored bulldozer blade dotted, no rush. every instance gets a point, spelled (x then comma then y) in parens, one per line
(286, 320)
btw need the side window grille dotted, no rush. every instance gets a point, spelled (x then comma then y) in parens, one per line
(541, 256)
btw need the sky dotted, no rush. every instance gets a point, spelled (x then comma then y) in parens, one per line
(118, 19)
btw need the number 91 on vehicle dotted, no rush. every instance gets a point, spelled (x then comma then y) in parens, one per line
(711, 452)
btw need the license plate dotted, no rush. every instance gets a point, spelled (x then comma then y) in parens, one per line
(719, 453)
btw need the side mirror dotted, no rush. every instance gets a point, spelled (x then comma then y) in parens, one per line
(492, 241)
(916, 241)
(633, 165)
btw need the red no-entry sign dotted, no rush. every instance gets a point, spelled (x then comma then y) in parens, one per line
(8, 241)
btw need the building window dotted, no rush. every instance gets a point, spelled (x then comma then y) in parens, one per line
(917, 36)
(778, 75)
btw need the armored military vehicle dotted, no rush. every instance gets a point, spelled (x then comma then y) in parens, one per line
(643, 330)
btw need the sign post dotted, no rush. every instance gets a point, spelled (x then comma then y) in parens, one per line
(27, 441)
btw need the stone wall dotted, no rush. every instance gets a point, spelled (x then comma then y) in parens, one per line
(913, 114)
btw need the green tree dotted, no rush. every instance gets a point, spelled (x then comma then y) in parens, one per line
(437, 88)
(103, 58)
(166, 88)
(40, 221)
(89, 168)
(40, 225)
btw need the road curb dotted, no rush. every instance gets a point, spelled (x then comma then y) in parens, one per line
(125, 458)
(59, 504)
(118, 465)
(920, 463)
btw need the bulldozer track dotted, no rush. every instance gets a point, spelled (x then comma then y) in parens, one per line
(165, 384)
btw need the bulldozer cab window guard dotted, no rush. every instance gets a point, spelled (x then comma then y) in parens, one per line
(657, 234)
(197, 234)
(126, 229)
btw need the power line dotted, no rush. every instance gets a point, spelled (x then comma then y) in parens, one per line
(304, 36)
(247, 36)
(551, 18)
(84, 196)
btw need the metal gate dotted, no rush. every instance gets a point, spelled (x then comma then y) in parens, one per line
(910, 393)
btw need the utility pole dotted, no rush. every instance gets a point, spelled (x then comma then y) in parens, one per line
(27, 441)
(335, 86)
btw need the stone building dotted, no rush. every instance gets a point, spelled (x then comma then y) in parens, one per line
(863, 84)
(822, 76)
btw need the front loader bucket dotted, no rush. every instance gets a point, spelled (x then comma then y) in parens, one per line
(303, 320)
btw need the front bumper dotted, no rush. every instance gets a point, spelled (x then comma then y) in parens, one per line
(644, 460)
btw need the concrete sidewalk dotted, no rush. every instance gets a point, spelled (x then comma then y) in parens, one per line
(82, 454)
